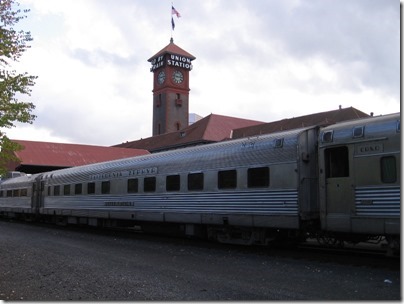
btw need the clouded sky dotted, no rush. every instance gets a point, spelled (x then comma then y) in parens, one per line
(263, 60)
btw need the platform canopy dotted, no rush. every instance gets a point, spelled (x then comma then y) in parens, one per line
(46, 156)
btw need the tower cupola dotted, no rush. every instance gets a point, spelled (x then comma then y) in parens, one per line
(170, 67)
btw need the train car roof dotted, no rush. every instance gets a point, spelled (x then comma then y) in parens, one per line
(210, 155)
(20, 181)
(359, 129)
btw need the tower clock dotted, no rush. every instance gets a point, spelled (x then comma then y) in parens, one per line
(170, 68)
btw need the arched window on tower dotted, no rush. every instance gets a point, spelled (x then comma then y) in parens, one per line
(178, 100)
(177, 126)
(158, 101)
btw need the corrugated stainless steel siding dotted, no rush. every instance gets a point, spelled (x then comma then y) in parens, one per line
(12, 202)
(265, 202)
(25, 181)
(235, 153)
(377, 201)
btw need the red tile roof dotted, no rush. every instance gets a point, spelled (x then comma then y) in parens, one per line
(69, 155)
(172, 48)
(322, 118)
(212, 128)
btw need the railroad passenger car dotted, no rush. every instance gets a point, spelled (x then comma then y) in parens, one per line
(17, 195)
(360, 181)
(247, 186)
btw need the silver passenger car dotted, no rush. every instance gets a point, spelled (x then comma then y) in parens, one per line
(260, 182)
(17, 194)
(360, 176)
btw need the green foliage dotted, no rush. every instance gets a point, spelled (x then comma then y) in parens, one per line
(13, 86)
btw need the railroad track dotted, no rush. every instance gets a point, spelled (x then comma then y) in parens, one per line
(360, 254)
(357, 250)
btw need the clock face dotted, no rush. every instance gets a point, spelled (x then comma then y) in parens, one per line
(178, 77)
(161, 77)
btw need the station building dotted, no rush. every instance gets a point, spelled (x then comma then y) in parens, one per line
(171, 68)
(173, 127)
(36, 156)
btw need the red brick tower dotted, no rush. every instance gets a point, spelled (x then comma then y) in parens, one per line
(170, 67)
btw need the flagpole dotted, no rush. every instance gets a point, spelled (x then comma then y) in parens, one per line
(171, 15)
(173, 12)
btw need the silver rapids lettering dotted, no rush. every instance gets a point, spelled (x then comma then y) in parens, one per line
(126, 173)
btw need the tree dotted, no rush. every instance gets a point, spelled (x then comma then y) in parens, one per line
(13, 86)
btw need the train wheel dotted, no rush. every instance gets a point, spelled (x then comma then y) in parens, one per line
(393, 246)
(329, 241)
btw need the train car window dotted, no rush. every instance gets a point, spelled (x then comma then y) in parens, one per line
(327, 136)
(133, 185)
(105, 187)
(90, 188)
(56, 190)
(16, 192)
(173, 183)
(358, 132)
(227, 179)
(278, 143)
(9, 193)
(149, 184)
(388, 169)
(258, 177)
(49, 190)
(66, 190)
(78, 189)
(24, 192)
(336, 162)
(1, 193)
(195, 181)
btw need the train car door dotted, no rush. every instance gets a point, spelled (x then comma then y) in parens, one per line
(308, 170)
(340, 193)
(37, 194)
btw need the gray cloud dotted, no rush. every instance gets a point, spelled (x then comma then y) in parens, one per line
(245, 50)
(98, 57)
(344, 32)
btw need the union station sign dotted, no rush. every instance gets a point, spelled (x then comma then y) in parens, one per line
(171, 60)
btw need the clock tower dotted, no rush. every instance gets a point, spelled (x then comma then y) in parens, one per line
(170, 67)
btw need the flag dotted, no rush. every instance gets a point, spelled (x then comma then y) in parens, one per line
(172, 23)
(175, 12)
